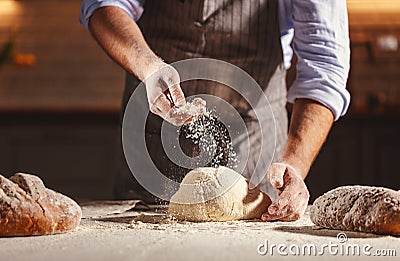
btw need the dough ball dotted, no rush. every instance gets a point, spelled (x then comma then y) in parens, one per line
(217, 194)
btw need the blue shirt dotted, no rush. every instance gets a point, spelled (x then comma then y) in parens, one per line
(320, 35)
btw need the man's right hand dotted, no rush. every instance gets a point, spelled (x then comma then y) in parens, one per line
(164, 93)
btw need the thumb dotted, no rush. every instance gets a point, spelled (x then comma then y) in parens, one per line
(275, 174)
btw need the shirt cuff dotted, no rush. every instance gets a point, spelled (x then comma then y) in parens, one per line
(336, 100)
(132, 7)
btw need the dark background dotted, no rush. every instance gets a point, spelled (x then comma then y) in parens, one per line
(59, 118)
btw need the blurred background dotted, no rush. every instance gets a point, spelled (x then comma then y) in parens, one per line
(60, 98)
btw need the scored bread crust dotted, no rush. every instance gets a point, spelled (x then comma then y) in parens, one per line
(27, 208)
(358, 208)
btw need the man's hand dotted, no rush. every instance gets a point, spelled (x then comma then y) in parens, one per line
(293, 198)
(163, 90)
(166, 98)
(310, 124)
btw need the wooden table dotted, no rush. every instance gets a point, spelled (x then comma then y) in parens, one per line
(145, 235)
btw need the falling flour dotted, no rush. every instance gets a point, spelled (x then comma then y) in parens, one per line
(212, 137)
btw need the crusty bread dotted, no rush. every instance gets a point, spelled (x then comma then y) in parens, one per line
(27, 208)
(358, 208)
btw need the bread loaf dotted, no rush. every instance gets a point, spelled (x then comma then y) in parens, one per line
(27, 208)
(358, 208)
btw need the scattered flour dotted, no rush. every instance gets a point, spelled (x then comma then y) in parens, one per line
(212, 137)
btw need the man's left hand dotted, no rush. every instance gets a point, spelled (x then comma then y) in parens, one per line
(293, 194)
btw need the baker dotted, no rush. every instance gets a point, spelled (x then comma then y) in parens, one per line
(144, 37)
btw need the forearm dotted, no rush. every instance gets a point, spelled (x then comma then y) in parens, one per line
(309, 127)
(123, 41)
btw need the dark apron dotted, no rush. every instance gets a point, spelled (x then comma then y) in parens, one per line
(242, 32)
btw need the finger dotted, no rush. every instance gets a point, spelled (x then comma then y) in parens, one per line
(163, 104)
(294, 194)
(292, 188)
(272, 217)
(199, 102)
(287, 218)
(290, 211)
(155, 110)
(275, 174)
(287, 197)
(278, 205)
(302, 206)
(285, 209)
(297, 213)
(287, 213)
(177, 117)
(177, 95)
(175, 120)
(190, 119)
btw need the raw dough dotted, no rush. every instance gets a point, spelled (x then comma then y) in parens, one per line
(217, 194)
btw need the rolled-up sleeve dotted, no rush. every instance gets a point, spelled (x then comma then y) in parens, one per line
(321, 42)
(134, 8)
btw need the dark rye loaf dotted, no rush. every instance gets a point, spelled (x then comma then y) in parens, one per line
(28, 208)
(358, 208)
